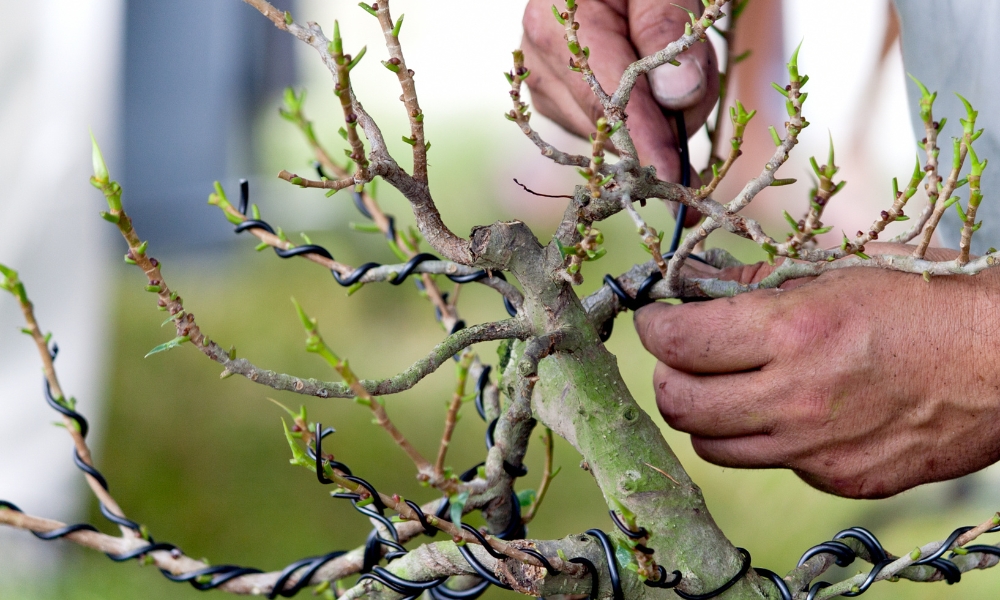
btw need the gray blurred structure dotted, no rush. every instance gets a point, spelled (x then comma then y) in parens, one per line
(952, 46)
(182, 82)
(197, 73)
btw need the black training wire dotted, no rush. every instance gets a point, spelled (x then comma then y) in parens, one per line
(685, 156)
(609, 556)
(355, 276)
(642, 293)
(718, 591)
(783, 591)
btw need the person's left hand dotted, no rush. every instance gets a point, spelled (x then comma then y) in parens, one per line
(865, 382)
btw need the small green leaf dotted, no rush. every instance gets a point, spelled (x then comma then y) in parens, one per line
(559, 18)
(361, 53)
(174, 343)
(774, 135)
(791, 220)
(526, 498)
(458, 506)
(368, 9)
(172, 318)
(299, 456)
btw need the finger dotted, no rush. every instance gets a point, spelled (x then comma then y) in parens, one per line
(716, 405)
(728, 335)
(761, 451)
(693, 87)
(605, 31)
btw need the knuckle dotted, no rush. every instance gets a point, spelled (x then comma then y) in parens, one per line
(674, 404)
(661, 336)
(805, 326)
(535, 22)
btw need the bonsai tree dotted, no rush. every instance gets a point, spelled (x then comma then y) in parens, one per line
(554, 372)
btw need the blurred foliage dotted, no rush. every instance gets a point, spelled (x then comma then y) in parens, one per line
(203, 462)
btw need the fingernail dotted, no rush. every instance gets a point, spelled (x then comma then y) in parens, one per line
(678, 88)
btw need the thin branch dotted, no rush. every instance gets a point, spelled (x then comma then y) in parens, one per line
(521, 115)
(897, 568)
(326, 184)
(451, 418)
(188, 331)
(960, 151)
(547, 476)
(788, 270)
(581, 55)
(177, 563)
(397, 64)
(620, 99)
(534, 193)
(9, 280)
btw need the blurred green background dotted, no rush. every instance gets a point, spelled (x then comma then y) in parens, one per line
(203, 461)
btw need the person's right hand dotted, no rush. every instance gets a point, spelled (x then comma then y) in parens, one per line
(618, 32)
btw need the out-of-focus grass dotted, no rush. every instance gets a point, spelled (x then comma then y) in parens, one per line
(203, 462)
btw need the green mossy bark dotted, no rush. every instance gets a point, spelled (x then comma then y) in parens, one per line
(582, 397)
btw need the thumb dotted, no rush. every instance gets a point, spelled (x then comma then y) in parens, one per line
(693, 86)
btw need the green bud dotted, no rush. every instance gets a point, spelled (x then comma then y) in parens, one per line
(793, 64)
(110, 218)
(368, 9)
(559, 18)
(399, 24)
(337, 42)
(100, 168)
(358, 58)
(774, 135)
(390, 66)
(781, 90)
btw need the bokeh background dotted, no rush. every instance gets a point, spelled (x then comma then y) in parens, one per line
(185, 92)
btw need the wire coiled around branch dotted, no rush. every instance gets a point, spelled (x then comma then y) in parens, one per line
(355, 276)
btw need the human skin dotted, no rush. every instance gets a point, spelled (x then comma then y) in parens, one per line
(618, 32)
(864, 382)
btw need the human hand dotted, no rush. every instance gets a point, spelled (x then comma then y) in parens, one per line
(618, 32)
(864, 382)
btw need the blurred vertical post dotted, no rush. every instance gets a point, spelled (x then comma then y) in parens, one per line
(59, 66)
(182, 81)
(197, 74)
